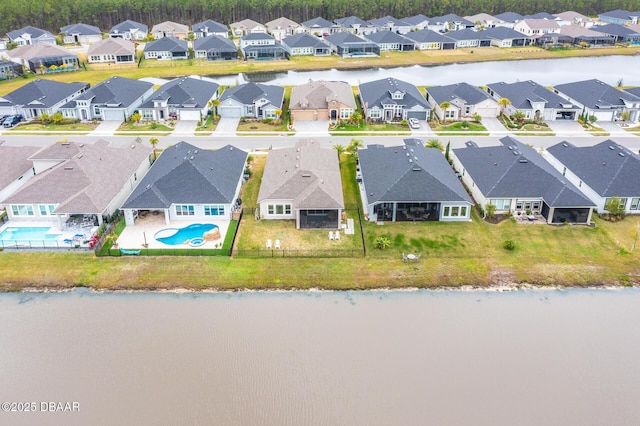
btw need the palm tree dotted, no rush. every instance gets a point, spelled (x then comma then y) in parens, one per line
(503, 102)
(154, 141)
(354, 146)
(340, 148)
(213, 104)
(434, 143)
(444, 105)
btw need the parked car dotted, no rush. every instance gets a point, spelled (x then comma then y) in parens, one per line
(12, 121)
(4, 117)
(414, 123)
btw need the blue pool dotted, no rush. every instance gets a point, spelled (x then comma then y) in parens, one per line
(12, 234)
(178, 236)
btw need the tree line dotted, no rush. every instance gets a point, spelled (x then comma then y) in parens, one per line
(51, 15)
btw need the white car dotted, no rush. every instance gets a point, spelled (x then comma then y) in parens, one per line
(414, 123)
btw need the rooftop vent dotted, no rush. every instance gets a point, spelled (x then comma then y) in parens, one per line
(68, 167)
(192, 157)
(416, 169)
(510, 148)
(80, 156)
(410, 160)
(564, 144)
(81, 145)
(523, 160)
(306, 175)
(516, 153)
(611, 147)
(148, 186)
(65, 144)
(621, 154)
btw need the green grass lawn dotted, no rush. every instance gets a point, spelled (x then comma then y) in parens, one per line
(55, 127)
(150, 128)
(464, 129)
(260, 126)
(344, 128)
(209, 126)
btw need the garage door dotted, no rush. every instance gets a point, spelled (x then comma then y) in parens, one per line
(190, 115)
(112, 115)
(487, 112)
(420, 115)
(230, 112)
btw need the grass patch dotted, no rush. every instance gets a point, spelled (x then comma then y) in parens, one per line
(261, 126)
(459, 128)
(130, 126)
(209, 126)
(55, 127)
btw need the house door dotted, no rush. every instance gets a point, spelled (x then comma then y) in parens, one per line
(161, 114)
(334, 115)
(84, 114)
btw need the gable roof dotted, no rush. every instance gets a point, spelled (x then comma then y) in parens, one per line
(616, 30)
(112, 46)
(87, 181)
(503, 33)
(170, 26)
(596, 94)
(608, 168)
(258, 36)
(471, 95)
(304, 40)
(281, 22)
(214, 42)
(41, 93)
(32, 31)
(468, 34)
(166, 44)
(318, 94)
(186, 174)
(248, 93)
(409, 173)
(127, 26)
(209, 26)
(513, 169)
(82, 29)
(540, 24)
(620, 14)
(307, 174)
(451, 17)
(633, 90)
(416, 20)
(382, 37)
(483, 18)
(39, 50)
(14, 161)
(429, 36)
(382, 22)
(247, 24)
(571, 16)
(185, 92)
(351, 21)
(318, 22)
(116, 92)
(511, 17)
(378, 93)
(523, 93)
(344, 37)
(541, 15)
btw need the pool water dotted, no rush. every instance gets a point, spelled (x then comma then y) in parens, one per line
(178, 236)
(11, 234)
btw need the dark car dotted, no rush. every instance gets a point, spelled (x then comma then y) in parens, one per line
(12, 121)
(4, 117)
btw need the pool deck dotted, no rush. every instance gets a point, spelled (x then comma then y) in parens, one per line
(133, 237)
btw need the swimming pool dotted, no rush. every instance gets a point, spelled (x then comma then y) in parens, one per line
(178, 236)
(23, 235)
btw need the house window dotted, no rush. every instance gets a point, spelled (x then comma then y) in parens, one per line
(215, 210)
(454, 211)
(467, 110)
(22, 210)
(503, 204)
(185, 210)
(279, 209)
(345, 113)
(374, 113)
(635, 204)
(96, 110)
(46, 209)
(623, 202)
(450, 114)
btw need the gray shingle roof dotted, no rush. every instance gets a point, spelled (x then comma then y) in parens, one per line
(596, 94)
(14, 161)
(634, 91)
(186, 174)
(307, 174)
(516, 170)
(471, 95)
(510, 17)
(304, 40)
(127, 26)
(41, 93)
(88, 181)
(541, 15)
(377, 93)
(186, 92)
(409, 173)
(503, 33)
(620, 14)
(468, 34)
(388, 37)
(350, 21)
(258, 36)
(451, 17)
(248, 93)
(608, 168)
(166, 44)
(33, 31)
(209, 26)
(386, 19)
(522, 93)
(429, 36)
(615, 30)
(40, 50)
(112, 46)
(82, 29)
(117, 91)
(341, 38)
(318, 22)
(416, 19)
(214, 42)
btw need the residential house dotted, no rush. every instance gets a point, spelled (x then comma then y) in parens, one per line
(601, 100)
(619, 17)
(450, 22)
(410, 183)
(283, 27)
(431, 40)
(633, 90)
(517, 180)
(215, 48)
(206, 28)
(585, 36)
(166, 48)
(79, 179)
(537, 27)
(261, 46)
(485, 21)
(305, 45)
(392, 42)
(183, 98)
(417, 22)
(601, 172)
(10, 69)
(619, 33)
(355, 25)
(302, 183)
(16, 168)
(43, 58)
(535, 101)
(389, 23)
(350, 45)
(187, 183)
(507, 37)
(390, 99)
(112, 50)
(542, 15)
(510, 19)
(30, 35)
(254, 100)
(170, 29)
(319, 27)
(40, 97)
(115, 99)
(574, 18)
(80, 34)
(129, 30)
(322, 100)
(465, 101)
(470, 38)
(247, 26)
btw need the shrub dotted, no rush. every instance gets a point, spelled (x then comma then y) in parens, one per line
(250, 158)
(464, 124)
(509, 245)
(382, 243)
(490, 209)
(154, 124)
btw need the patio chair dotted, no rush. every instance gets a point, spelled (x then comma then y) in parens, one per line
(417, 257)
(331, 236)
(277, 244)
(337, 235)
(268, 244)
(404, 257)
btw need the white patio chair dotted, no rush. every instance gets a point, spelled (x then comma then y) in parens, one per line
(404, 257)
(331, 236)
(268, 244)
(277, 245)
(337, 236)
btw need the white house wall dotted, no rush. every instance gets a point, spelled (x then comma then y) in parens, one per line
(199, 213)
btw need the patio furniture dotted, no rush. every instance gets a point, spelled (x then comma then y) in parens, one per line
(412, 257)
(337, 235)
(277, 244)
(268, 244)
(331, 235)
(404, 257)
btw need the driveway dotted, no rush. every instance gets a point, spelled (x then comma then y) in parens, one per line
(312, 128)
(106, 128)
(424, 131)
(227, 125)
(613, 128)
(566, 128)
(185, 127)
(494, 126)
